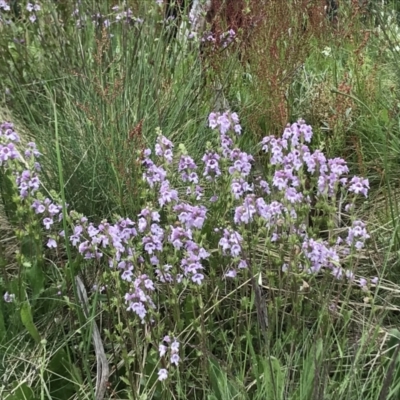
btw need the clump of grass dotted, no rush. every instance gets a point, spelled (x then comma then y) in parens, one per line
(119, 82)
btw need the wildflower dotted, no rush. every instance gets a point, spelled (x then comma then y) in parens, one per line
(175, 359)
(4, 5)
(231, 274)
(162, 374)
(47, 222)
(212, 169)
(327, 51)
(162, 350)
(51, 243)
(9, 297)
(8, 152)
(357, 235)
(359, 186)
(167, 195)
(245, 213)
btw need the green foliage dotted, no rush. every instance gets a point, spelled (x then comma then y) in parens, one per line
(21, 391)
(27, 321)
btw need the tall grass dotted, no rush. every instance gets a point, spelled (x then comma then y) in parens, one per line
(113, 88)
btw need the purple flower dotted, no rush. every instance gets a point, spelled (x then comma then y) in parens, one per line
(38, 207)
(244, 214)
(186, 167)
(153, 242)
(47, 222)
(8, 152)
(162, 374)
(239, 187)
(231, 241)
(315, 160)
(9, 297)
(213, 120)
(231, 274)
(197, 278)
(357, 235)
(320, 255)
(293, 196)
(241, 162)
(175, 359)
(163, 148)
(175, 346)
(338, 166)
(226, 120)
(167, 195)
(7, 129)
(191, 216)
(363, 283)
(4, 5)
(138, 308)
(359, 186)
(162, 350)
(154, 174)
(51, 244)
(154, 260)
(142, 224)
(163, 274)
(211, 165)
(179, 236)
(280, 179)
(213, 199)
(264, 185)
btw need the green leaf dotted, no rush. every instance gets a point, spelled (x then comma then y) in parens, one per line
(36, 279)
(222, 387)
(63, 377)
(274, 382)
(27, 320)
(310, 363)
(218, 383)
(384, 115)
(20, 392)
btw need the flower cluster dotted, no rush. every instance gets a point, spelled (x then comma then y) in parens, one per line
(8, 138)
(297, 173)
(32, 8)
(168, 349)
(4, 5)
(166, 243)
(224, 122)
(118, 14)
(224, 39)
(9, 298)
(26, 169)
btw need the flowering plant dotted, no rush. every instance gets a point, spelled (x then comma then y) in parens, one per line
(204, 222)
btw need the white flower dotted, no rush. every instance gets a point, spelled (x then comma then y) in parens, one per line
(162, 374)
(9, 298)
(327, 51)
